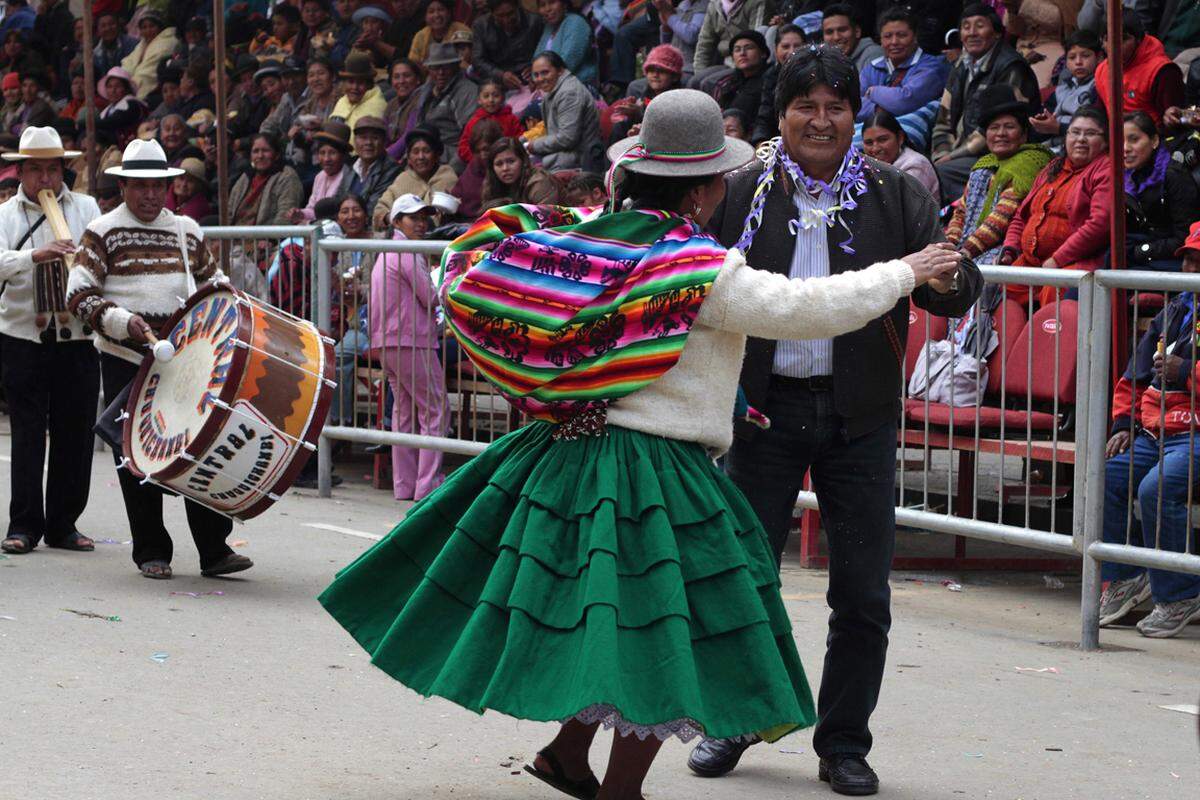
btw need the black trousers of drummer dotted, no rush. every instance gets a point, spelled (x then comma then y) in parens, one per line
(51, 388)
(144, 502)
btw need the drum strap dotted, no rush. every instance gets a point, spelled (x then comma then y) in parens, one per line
(25, 239)
(183, 251)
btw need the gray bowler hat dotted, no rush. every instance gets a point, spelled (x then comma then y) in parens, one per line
(682, 134)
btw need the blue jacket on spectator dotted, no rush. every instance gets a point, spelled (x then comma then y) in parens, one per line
(572, 41)
(18, 19)
(922, 81)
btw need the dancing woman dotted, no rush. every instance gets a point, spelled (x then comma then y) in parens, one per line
(596, 566)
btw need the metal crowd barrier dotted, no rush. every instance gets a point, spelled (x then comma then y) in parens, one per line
(1022, 462)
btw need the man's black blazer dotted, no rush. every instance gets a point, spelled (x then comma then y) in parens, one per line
(895, 217)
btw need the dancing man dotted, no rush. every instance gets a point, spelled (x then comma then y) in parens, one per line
(50, 373)
(134, 264)
(818, 207)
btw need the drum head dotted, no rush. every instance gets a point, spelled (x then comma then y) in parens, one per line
(172, 403)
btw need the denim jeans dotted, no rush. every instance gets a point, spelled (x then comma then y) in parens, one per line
(854, 480)
(630, 38)
(354, 344)
(1172, 533)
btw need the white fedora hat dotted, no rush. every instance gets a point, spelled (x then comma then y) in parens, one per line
(143, 159)
(40, 143)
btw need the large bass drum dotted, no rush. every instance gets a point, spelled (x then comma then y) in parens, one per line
(233, 417)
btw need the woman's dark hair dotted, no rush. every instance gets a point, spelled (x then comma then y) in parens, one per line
(586, 182)
(426, 135)
(554, 58)
(324, 62)
(491, 82)
(813, 66)
(406, 61)
(898, 14)
(327, 208)
(1132, 26)
(841, 10)
(198, 72)
(492, 187)
(882, 118)
(1095, 114)
(357, 198)
(1084, 38)
(656, 191)
(446, 4)
(1144, 123)
(271, 141)
(784, 30)
(486, 131)
(288, 12)
(494, 4)
(982, 10)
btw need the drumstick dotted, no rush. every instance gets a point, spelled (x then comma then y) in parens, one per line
(161, 349)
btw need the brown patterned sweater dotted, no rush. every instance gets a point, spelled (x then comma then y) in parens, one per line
(126, 267)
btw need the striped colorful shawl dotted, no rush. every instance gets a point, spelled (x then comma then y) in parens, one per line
(566, 309)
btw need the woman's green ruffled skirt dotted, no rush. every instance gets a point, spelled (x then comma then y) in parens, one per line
(548, 578)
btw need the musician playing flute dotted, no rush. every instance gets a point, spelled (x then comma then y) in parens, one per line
(135, 263)
(49, 369)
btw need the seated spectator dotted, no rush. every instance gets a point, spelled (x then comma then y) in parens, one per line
(1063, 222)
(840, 28)
(315, 107)
(315, 27)
(511, 178)
(568, 35)
(352, 303)
(194, 91)
(681, 23)
(374, 169)
(1076, 87)
(491, 107)
(170, 101)
(905, 80)
(439, 24)
(1151, 450)
(19, 17)
(572, 138)
(293, 74)
(188, 194)
(8, 188)
(469, 189)
(284, 35)
(108, 193)
(664, 71)
(463, 43)
(112, 43)
(402, 314)
(586, 190)
(423, 174)
(884, 140)
(35, 109)
(987, 60)
(742, 89)
(332, 145)
(11, 88)
(448, 99)
(1040, 27)
(268, 84)
(77, 97)
(788, 38)
(124, 111)
(632, 36)
(156, 43)
(266, 195)
(1160, 198)
(505, 41)
(18, 56)
(1151, 81)
(372, 22)
(713, 59)
(735, 124)
(194, 46)
(405, 106)
(999, 180)
(173, 136)
(361, 97)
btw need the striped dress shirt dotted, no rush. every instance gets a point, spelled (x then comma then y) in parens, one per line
(810, 259)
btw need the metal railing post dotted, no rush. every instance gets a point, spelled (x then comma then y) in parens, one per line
(1083, 382)
(324, 315)
(1100, 339)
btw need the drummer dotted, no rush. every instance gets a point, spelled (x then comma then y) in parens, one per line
(50, 373)
(130, 272)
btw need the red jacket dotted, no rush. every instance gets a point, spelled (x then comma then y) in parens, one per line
(1163, 413)
(1138, 79)
(505, 118)
(1087, 211)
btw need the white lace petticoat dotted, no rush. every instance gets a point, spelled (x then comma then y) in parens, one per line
(608, 716)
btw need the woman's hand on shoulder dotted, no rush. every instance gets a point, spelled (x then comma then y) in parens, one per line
(938, 261)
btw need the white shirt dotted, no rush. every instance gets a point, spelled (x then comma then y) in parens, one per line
(797, 358)
(18, 273)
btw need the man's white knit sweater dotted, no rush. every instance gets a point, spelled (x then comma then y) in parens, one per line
(126, 267)
(693, 401)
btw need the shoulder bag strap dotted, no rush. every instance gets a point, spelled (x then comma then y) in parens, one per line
(183, 250)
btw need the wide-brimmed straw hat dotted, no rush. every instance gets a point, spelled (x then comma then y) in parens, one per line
(145, 160)
(40, 143)
(682, 135)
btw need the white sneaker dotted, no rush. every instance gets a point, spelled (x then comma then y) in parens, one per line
(1169, 619)
(1121, 597)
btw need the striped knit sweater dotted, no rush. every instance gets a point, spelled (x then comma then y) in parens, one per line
(126, 267)
(990, 231)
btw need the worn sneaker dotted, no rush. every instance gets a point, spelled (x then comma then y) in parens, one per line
(1121, 597)
(1169, 619)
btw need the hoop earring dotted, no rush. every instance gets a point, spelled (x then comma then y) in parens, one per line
(696, 210)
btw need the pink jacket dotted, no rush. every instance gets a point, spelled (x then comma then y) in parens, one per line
(403, 298)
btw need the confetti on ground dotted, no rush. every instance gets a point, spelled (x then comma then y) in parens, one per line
(197, 594)
(973, 755)
(6, 616)
(112, 541)
(238, 543)
(793, 752)
(1038, 669)
(93, 615)
(953, 586)
(1184, 709)
(159, 658)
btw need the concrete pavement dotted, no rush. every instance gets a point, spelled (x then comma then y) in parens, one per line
(261, 695)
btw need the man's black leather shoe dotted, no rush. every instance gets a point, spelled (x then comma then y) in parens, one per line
(712, 758)
(849, 774)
